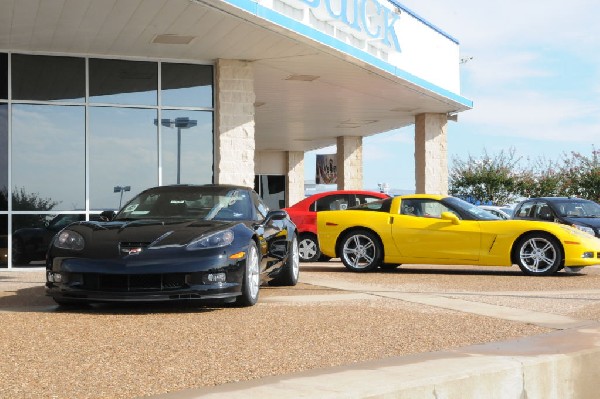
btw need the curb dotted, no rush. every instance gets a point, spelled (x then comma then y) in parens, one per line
(558, 365)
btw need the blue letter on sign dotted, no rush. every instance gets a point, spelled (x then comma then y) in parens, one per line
(390, 20)
(312, 3)
(365, 21)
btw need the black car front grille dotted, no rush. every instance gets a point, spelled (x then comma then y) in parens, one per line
(133, 282)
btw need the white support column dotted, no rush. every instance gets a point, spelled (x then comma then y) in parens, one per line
(431, 154)
(234, 123)
(349, 163)
(294, 182)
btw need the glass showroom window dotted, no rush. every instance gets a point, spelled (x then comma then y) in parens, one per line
(122, 153)
(3, 76)
(3, 180)
(187, 141)
(123, 82)
(48, 157)
(187, 85)
(3, 158)
(53, 124)
(48, 78)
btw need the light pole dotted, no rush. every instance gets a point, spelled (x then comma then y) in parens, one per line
(121, 189)
(179, 123)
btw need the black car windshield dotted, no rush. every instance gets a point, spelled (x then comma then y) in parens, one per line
(575, 208)
(469, 210)
(185, 202)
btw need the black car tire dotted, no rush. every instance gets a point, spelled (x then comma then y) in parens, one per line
(288, 275)
(19, 256)
(361, 251)
(309, 248)
(251, 279)
(538, 254)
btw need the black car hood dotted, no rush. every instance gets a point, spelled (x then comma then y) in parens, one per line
(584, 221)
(154, 233)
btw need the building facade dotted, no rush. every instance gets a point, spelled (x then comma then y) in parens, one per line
(102, 99)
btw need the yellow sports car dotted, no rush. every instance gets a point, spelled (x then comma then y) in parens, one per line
(437, 229)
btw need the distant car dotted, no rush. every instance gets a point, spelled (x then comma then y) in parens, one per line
(579, 213)
(31, 243)
(501, 212)
(304, 215)
(176, 243)
(441, 230)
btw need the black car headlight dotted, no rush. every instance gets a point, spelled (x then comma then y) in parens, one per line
(68, 239)
(214, 240)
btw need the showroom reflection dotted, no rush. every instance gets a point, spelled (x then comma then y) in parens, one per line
(69, 151)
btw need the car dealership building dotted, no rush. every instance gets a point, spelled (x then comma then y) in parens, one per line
(102, 99)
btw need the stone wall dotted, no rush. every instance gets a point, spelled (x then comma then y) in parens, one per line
(234, 123)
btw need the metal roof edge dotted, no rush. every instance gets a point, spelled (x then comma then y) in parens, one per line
(414, 14)
(252, 7)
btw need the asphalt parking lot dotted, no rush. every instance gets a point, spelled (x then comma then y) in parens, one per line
(331, 318)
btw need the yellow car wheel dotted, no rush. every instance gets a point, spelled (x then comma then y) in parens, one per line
(538, 254)
(361, 251)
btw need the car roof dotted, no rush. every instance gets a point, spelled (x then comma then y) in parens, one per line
(550, 199)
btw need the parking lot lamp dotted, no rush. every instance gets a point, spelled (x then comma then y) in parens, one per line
(121, 189)
(179, 123)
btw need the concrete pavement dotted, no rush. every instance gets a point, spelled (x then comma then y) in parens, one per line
(561, 364)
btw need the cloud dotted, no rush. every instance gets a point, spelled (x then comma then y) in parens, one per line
(532, 114)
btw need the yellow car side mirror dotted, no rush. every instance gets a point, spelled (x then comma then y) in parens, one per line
(451, 217)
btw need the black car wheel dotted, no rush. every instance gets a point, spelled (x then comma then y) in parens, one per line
(309, 248)
(251, 279)
(288, 275)
(19, 255)
(361, 251)
(538, 255)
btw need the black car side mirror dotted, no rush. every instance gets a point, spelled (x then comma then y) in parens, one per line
(276, 215)
(107, 216)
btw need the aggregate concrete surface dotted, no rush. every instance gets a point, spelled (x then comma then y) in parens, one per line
(332, 318)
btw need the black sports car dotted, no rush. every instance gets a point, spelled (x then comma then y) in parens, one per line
(211, 242)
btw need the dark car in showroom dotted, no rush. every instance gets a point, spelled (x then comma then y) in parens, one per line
(31, 243)
(304, 215)
(579, 213)
(173, 243)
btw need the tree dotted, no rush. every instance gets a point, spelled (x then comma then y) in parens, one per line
(581, 175)
(541, 180)
(23, 201)
(487, 179)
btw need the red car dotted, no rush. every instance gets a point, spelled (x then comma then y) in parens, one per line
(304, 215)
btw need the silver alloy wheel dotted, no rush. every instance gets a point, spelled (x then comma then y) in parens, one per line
(538, 254)
(359, 251)
(252, 271)
(295, 254)
(308, 249)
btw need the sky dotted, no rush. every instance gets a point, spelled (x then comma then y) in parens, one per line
(533, 74)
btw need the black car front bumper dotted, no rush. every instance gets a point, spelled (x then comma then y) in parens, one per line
(119, 280)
